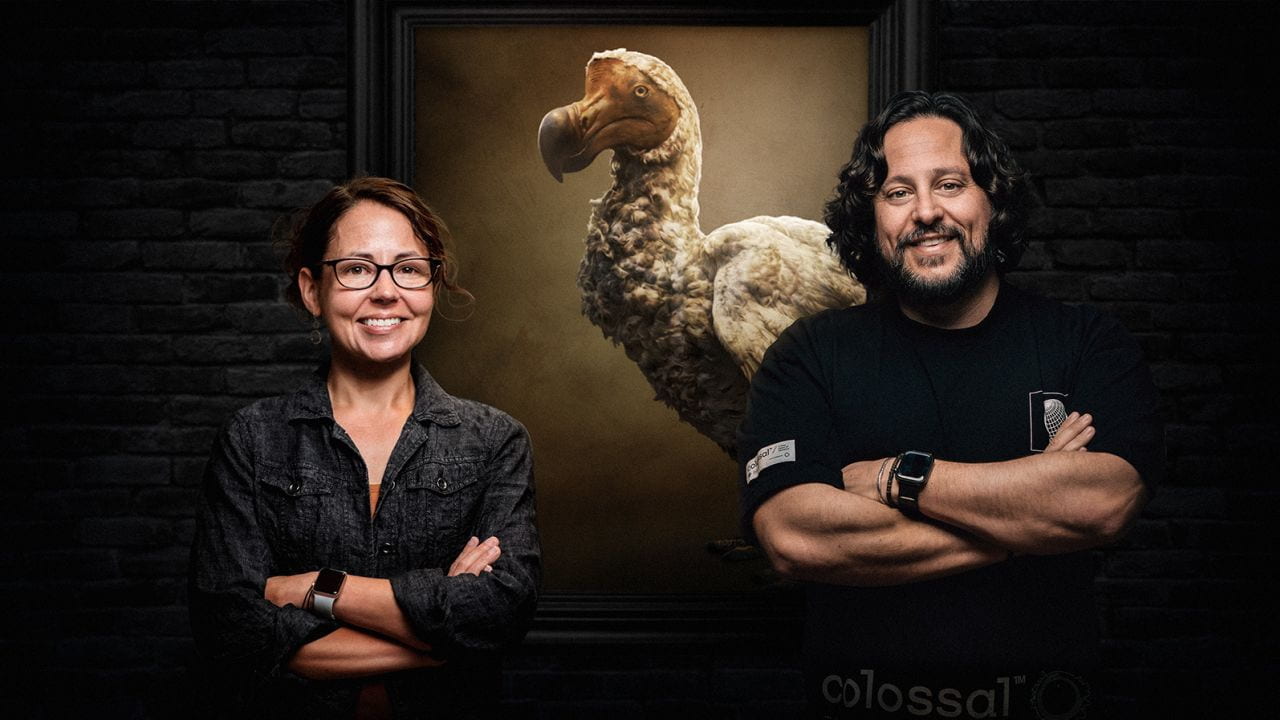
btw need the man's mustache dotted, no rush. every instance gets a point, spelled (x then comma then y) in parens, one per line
(950, 232)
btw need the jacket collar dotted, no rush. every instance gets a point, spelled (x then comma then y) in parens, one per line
(431, 403)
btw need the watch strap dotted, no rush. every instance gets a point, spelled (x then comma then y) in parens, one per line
(323, 605)
(908, 502)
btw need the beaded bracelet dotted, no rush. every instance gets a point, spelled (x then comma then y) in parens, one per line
(888, 484)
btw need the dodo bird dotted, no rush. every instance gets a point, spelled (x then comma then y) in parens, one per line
(695, 311)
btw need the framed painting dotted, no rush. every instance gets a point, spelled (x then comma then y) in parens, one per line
(636, 508)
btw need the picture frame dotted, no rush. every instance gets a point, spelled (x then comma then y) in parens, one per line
(382, 130)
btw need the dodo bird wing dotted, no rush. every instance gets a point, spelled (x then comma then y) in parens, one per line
(770, 272)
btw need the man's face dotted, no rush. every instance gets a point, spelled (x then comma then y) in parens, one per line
(931, 219)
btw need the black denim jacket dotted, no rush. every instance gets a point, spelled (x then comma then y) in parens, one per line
(286, 492)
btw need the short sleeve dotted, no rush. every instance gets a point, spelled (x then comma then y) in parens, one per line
(1113, 384)
(785, 438)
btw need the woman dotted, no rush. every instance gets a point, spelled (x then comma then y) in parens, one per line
(365, 544)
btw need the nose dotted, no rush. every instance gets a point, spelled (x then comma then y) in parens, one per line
(926, 212)
(383, 285)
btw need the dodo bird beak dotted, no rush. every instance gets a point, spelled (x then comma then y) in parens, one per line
(621, 109)
(561, 142)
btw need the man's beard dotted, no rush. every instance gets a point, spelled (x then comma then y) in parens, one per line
(913, 290)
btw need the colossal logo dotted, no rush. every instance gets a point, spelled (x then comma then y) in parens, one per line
(917, 700)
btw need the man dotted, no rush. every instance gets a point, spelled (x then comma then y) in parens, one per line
(935, 463)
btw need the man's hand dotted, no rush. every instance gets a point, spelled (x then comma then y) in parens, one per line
(1074, 434)
(284, 590)
(476, 557)
(860, 478)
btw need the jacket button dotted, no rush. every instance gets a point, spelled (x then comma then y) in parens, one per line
(294, 487)
(386, 549)
(441, 482)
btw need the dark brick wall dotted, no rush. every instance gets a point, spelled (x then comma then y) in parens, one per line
(1140, 124)
(149, 149)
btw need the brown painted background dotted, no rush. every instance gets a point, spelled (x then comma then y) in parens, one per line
(628, 495)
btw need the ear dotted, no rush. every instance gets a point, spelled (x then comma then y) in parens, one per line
(309, 288)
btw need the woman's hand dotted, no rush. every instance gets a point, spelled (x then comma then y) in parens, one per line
(476, 557)
(1074, 434)
(284, 590)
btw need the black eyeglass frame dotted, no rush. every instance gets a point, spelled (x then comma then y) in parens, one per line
(433, 263)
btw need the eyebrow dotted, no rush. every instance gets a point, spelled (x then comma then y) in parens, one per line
(937, 172)
(369, 256)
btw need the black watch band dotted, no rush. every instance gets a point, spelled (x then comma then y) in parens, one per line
(912, 474)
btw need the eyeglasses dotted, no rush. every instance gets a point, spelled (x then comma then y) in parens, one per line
(410, 273)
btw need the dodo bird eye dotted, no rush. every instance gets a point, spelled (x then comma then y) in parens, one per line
(641, 90)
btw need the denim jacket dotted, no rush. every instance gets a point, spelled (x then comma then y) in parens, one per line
(286, 492)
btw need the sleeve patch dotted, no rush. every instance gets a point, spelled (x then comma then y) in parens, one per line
(779, 452)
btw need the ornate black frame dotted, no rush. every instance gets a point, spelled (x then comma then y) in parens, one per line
(380, 132)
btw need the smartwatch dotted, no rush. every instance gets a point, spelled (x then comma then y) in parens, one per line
(912, 473)
(325, 591)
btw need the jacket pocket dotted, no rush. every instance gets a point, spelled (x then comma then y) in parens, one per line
(293, 502)
(441, 500)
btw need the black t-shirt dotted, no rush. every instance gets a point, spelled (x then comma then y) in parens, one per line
(865, 383)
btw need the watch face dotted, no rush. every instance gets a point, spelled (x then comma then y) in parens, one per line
(914, 465)
(329, 581)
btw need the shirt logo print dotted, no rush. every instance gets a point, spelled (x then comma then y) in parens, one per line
(779, 452)
(1046, 411)
(1054, 413)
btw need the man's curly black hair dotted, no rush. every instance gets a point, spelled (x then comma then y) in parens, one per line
(851, 213)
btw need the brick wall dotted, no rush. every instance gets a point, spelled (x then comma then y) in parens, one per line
(1137, 121)
(149, 148)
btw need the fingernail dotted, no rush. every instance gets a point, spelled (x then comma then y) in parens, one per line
(488, 568)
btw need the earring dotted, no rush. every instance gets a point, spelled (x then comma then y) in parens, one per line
(1000, 256)
(315, 330)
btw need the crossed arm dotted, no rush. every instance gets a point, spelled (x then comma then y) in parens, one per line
(376, 637)
(974, 515)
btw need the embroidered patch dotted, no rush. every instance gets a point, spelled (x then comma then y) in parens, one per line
(779, 452)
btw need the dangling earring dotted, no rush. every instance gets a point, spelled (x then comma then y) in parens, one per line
(315, 330)
(1000, 256)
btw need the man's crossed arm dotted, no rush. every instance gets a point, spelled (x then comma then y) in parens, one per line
(975, 514)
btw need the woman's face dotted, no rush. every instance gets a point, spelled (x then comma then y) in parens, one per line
(383, 322)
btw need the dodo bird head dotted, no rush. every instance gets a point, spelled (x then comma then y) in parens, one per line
(633, 103)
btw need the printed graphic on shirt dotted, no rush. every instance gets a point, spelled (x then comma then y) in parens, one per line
(1055, 695)
(779, 452)
(1046, 411)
